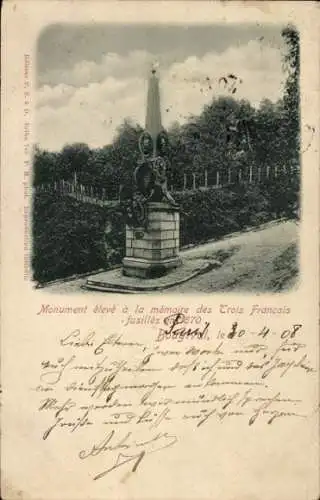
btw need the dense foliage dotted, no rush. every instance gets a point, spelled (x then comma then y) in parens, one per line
(71, 237)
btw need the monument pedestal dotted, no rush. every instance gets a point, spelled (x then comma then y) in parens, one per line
(153, 250)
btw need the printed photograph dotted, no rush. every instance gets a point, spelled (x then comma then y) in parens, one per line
(167, 159)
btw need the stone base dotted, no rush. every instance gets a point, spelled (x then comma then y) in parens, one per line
(116, 282)
(143, 268)
(153, 250)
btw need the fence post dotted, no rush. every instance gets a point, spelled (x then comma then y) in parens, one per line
(217, 178)
(194, 181)
(206, 178)
(239, 175)
(259, 174)
(268, 171)
(250, 174)
(276, 171)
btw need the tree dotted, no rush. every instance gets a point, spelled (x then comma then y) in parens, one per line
(44, 167)
(291, 99)
(269, 144)
(74, 159)
(126, 149)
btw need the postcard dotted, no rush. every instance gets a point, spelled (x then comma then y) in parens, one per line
(160, 250)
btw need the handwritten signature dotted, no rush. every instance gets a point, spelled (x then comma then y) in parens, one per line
(111, 442)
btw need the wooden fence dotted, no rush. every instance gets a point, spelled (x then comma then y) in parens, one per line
(87, 194)
(189, 182)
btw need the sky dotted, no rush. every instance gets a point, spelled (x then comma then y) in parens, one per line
(91, 77)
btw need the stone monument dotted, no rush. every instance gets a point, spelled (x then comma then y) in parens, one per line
(152, 216)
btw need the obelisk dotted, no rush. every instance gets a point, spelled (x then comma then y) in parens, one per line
(153, 249)
(153, 115)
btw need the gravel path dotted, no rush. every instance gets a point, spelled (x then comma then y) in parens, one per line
(256, 261)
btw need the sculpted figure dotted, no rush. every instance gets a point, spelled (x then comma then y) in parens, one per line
(149, 182)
